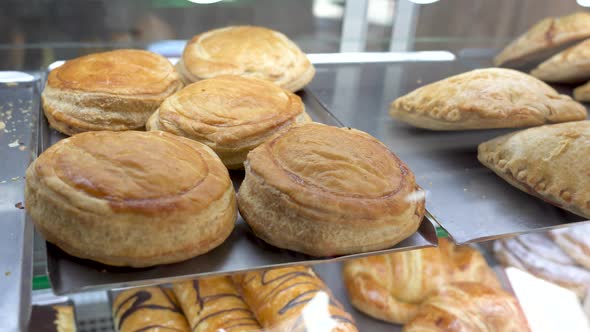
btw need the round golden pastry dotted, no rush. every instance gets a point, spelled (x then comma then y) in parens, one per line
(131, 198)
(115, 90)
(326, 191)
(246, 51)
(230, 114)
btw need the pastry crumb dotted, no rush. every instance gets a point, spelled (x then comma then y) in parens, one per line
(19, 205)
(7, 273)
(2, 125)
(22, 147)
(14, 178)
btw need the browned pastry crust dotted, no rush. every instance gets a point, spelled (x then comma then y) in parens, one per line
(575, 241)
(115, 90)
(582, 93)
(246, 51)
(131, 198)
(64, 318)
(485, 98)
(544, 259)
(550, 162)
(548, 34)
(148, 309)
(469, 306)
(214, 304)
(392, 287)
(230, 114)
(569, 66)
(328, 191)
(293, 299)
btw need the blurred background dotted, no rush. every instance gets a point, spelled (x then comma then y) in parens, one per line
(37, 32)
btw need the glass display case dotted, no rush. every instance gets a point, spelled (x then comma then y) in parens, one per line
(527, 255)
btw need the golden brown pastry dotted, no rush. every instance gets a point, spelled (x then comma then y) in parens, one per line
(550, 162)
(326, 191)
(575, 241)
(543, 259)
(569, 66)
(582, 93)
(544, 37)
(214, 304)
(148, 309)
(293, 299)
(391, 287)
(64, 318)
(131, 198)
(485, 98)
(52, 318)
(246, 51)
(230, 114)
(469, 306)
(115, 90)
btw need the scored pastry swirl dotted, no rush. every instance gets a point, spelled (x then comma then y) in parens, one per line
(230, 114)
(115, 90)
(326, 191)
(246, 51)
(131, 198)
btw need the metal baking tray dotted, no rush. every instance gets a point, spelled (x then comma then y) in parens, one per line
(241, 251)
(18, 146)
(468, 200)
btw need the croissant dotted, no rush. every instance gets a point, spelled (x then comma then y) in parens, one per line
(214, 304)
(391, 287)
(293, 299)
(147, 309)
(469, 306)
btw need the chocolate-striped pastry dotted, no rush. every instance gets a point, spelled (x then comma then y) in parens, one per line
(214, 304)
(52, 318)
(148, 309)
(293, 299)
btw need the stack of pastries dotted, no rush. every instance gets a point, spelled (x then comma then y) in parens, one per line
(286, 299)
(122, 196)
(448, 288)
(548, 161)
(557, 48)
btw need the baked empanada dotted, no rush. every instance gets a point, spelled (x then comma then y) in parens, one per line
(486, 98)
(551, 162)
(544, 38)
(569, 66)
